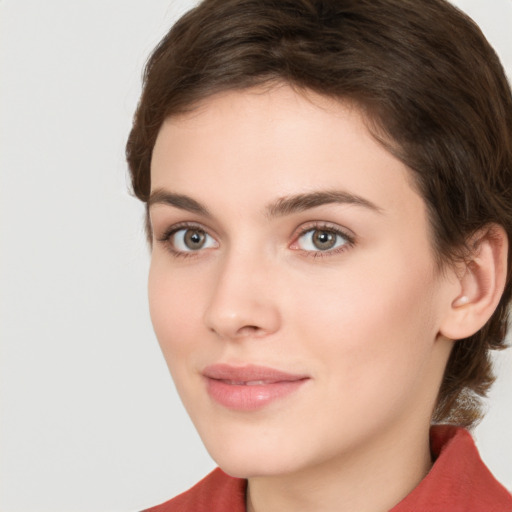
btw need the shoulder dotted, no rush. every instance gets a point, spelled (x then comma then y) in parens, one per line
(215, 493)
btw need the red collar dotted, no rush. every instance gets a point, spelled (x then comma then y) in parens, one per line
(458, 482)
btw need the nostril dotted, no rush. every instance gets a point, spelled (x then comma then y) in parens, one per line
(246, 330)
(249, 329)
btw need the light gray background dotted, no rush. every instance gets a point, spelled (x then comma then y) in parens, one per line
(90, 420)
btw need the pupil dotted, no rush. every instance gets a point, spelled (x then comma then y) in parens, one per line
(194, 239)
(324, 239)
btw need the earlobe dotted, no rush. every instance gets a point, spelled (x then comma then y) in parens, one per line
(480, 284)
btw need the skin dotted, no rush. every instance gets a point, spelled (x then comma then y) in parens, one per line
(363, 321)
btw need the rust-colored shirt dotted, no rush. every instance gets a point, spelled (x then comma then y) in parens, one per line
(458, 482)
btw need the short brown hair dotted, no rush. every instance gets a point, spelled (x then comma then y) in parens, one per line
(429, 83)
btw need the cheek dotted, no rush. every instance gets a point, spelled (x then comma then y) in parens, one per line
(175, 309)
(371, 347)
(374, 324)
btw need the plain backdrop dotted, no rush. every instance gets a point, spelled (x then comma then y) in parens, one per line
(90, 420)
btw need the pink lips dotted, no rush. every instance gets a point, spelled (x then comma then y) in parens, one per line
(247, 388)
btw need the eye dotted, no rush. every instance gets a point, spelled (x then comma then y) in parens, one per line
(190, 240)
(322, 240)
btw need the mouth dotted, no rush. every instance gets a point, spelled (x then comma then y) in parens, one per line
(249, 388)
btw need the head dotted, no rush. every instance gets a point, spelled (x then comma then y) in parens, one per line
(398, 68)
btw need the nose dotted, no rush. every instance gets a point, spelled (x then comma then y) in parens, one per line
(244, 300)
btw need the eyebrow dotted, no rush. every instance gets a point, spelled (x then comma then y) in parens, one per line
(180, 201)
(301, 202)
(283, 206)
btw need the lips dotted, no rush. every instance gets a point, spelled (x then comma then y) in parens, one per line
(248, 388)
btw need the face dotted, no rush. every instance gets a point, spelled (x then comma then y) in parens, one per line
(293, 287)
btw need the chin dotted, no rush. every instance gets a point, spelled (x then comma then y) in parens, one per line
(247, 453)
(251, 465)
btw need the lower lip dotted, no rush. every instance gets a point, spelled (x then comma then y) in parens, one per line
(250, 398)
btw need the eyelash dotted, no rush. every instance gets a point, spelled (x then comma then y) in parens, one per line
(330, 228)
(315, 226)
(166, 237)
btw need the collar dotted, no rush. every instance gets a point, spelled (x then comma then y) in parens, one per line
(458, 482)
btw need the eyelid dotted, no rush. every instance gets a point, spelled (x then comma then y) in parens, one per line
(165, 237)
(348, 235)
(167, 232)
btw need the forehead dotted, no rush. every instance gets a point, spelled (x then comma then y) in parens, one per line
(264, 143)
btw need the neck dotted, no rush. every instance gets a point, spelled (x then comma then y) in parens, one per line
(374, 478)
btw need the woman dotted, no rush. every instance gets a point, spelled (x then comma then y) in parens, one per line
(329, 209)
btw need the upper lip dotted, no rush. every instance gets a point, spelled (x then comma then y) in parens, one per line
(250, 373)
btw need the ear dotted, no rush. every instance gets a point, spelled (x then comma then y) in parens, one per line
(481, 281)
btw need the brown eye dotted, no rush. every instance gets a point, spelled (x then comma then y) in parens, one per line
(191, 239)
(194, 239)
(324, 240)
